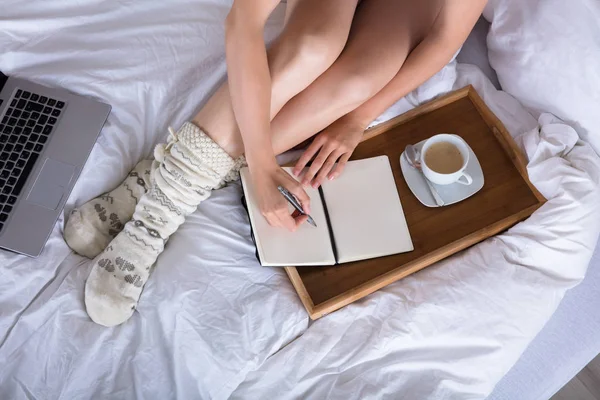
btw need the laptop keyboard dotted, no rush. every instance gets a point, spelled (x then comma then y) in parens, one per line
(24, 131)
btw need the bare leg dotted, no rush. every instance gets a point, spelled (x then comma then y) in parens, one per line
(314, 35)
(383, 35)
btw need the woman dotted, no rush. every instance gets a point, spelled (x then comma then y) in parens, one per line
(336, 66)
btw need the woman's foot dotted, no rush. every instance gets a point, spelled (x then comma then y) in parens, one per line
(93, 225)
(188, 168)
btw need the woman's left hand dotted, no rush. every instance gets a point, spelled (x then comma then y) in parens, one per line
(334, 144)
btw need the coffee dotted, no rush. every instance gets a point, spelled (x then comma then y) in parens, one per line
(444, 158)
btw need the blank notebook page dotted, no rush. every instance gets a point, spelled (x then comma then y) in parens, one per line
(280, 247)
(365, 211)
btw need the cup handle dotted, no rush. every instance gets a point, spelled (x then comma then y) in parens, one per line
(468, 180)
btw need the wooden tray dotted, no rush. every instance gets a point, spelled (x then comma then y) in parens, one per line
(506, 198)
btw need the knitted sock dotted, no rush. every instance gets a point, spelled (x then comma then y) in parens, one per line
(234, 173)
(93, 225)
(190, 166)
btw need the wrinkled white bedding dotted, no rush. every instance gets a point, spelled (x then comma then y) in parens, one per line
(212, 323)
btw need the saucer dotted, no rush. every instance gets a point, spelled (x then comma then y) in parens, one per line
(452, 193)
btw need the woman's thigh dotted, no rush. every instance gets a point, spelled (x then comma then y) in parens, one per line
(314, 34)
(382, 35)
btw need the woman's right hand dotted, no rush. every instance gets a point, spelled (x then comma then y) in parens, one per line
(273, 205)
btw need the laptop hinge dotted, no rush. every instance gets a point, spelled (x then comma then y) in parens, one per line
(3, 79)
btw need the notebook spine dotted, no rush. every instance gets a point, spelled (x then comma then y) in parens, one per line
(331, 236)
(245, 205)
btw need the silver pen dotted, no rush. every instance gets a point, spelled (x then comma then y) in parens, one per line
(292, 200)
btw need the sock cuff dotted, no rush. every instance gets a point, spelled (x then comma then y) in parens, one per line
(205, 149)
(234, 173)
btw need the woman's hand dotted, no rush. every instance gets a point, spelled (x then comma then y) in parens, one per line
(272, 204)
(334, 144)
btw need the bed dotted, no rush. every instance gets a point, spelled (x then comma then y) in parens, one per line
(211, 322)
(569, 340)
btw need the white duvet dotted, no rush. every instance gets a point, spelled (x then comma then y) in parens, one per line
(212, 323)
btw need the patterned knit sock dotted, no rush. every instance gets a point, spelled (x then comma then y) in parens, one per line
(190, 166)
(93, 225)
(234, 174)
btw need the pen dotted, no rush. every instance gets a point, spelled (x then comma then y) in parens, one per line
(292, 200)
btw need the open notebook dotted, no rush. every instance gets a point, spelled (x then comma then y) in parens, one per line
(358, 216)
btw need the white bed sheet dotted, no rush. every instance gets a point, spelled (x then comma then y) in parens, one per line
(570, 338)
(568, 342)
(211, 322)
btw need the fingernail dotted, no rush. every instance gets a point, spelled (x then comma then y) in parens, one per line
(315, 185)
(330, 177)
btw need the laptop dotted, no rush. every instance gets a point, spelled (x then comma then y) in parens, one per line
(46, 136)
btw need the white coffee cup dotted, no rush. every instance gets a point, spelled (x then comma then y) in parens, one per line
(459, 176)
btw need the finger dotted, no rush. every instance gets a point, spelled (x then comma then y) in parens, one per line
(302, 196)
(325, 169)
(287, 222)
(316, 165)
(300, 220)
(339, 168)
(307, 156)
